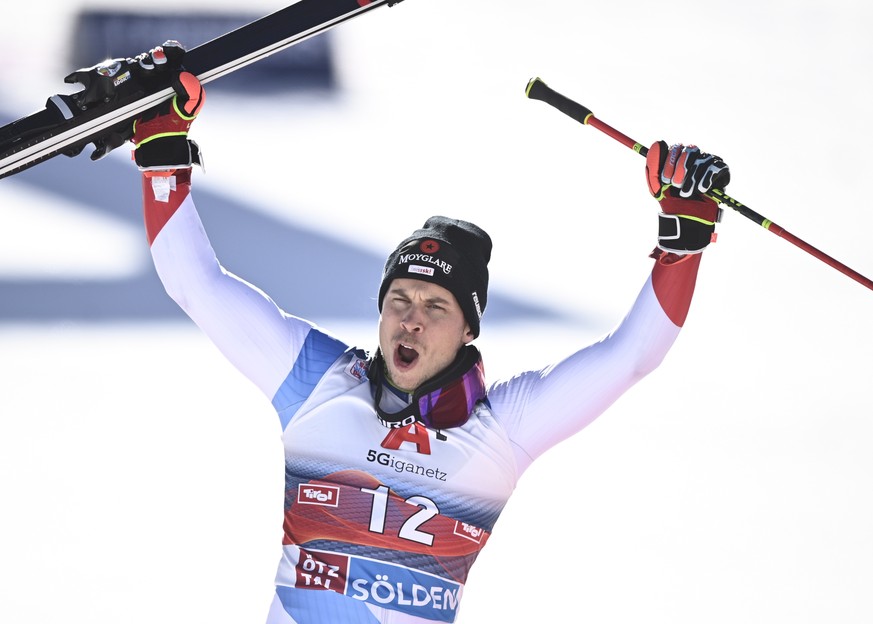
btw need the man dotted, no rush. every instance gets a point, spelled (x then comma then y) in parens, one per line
(399, 464)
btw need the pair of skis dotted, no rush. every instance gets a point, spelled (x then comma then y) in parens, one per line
(68, 123)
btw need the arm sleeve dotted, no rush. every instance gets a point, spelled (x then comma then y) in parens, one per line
(255, 335)
(543, 407)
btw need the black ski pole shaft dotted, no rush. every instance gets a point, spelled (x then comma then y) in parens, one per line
(539, 90)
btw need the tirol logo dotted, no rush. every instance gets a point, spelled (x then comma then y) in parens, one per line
(326, 495)
(358, 369)
(472, 533)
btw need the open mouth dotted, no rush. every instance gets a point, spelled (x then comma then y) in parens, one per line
(405, 356)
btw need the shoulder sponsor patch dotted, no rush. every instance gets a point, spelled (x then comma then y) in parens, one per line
(357, 368)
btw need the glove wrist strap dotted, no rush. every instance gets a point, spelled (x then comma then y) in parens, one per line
(684, 234)
(169, 152)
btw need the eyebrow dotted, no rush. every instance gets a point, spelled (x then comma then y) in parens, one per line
(397, 290)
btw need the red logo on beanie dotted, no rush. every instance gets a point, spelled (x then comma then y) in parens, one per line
(429, 246)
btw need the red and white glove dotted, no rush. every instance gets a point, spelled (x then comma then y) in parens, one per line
(678, 177)
(161, 135)
(125, 79)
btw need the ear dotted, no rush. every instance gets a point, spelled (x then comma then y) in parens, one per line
(468, 335)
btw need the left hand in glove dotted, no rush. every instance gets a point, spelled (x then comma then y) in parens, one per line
(678, 177)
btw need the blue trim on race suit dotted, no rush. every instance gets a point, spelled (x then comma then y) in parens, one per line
(320, 607)
(319, 351)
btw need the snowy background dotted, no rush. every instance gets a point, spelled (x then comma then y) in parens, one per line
(141, 477)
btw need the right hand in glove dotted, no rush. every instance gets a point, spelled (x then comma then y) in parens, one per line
(123, 80)
(161, 135)
(678, 177)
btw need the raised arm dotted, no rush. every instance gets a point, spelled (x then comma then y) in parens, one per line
(243, 322)
(542, 407)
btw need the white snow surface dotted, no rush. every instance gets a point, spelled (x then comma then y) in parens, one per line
(141, 476)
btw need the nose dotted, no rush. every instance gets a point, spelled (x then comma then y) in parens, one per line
(413, 320)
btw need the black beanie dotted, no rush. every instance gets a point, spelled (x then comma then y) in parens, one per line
(450, 253)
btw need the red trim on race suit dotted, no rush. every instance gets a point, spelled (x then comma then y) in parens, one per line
(157, 213)
(673, 280)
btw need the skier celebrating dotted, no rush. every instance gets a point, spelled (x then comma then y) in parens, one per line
(398, 464)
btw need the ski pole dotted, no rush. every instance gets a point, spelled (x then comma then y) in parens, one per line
(539, 90)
